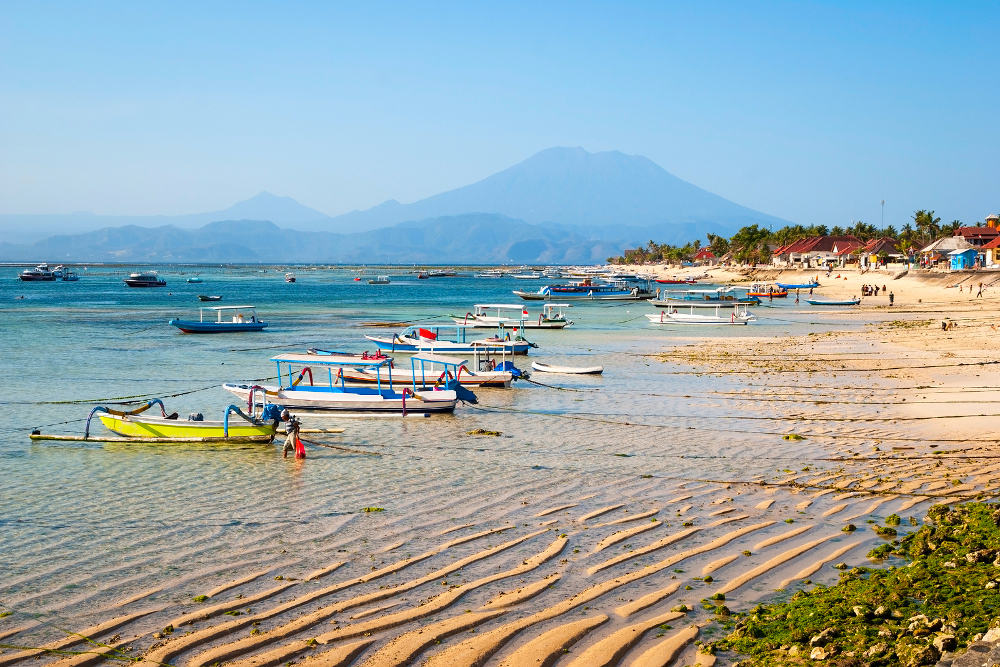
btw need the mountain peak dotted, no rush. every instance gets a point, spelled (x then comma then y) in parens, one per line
(275, 208)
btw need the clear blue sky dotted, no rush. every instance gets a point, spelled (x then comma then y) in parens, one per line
(806, 110)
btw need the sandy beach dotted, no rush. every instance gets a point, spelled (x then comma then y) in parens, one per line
(884, 414)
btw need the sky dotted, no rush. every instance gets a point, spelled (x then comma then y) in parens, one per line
(811, 111)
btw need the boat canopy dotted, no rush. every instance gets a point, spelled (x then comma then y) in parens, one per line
(508, 306)
(229, 307)
(320, 360)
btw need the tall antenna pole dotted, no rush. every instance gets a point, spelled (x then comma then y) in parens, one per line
(883, 214)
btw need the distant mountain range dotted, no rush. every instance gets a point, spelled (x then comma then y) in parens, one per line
(560, 205)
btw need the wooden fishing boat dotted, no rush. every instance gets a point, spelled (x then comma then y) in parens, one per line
(208, 297)
(834, 302)
(228, 319)
(702, 313)
(809, 285)
(134, 426)
(575, 370)
(766, 291)
(676, 281)
(585, 290)
(427, 371)
(492, 315)
(335, 395)
(450, 339)
(670, 298)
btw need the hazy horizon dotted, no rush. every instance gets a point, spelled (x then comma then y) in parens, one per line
(809, 112)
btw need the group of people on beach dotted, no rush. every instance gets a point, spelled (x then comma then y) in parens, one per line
(872, 290)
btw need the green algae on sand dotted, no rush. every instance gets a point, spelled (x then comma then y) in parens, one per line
(945, 594)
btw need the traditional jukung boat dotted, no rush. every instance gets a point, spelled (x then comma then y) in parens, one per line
(195, 279)
(134, 426)
(575, 370)
(671, 298)
(676, 281)
(834, 302)
(703, 313)
(809, 285)
(427, 371)
(228, 319)
(335, 395)
(584, 290)
(492, 315)
(766, 291)
(450, 339)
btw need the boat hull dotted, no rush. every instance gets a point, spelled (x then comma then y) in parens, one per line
(844, 302)
(575, 370)
(28, 278)
(797, 286)
(579, 296)
(493, 323)
(190, 326)
(353, 399)
(145, 283)
(158, 427)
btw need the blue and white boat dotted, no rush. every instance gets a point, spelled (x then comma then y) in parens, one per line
(331, 393)
(451, 339)
(809, 285)
(669, 298)
(228, 319)
(585, 290)
(834, 302)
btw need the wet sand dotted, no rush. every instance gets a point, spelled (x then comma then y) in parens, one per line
(876, 419)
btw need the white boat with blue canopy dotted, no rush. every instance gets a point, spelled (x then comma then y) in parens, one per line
(492, 315)
(333, 394)
(450, 339)
(670, 298)
(704, 313)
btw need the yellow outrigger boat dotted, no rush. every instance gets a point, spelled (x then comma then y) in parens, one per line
(133, 426)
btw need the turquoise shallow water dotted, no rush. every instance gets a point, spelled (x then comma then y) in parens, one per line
(83, 525)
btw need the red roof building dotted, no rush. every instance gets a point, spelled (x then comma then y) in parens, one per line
(978, 236)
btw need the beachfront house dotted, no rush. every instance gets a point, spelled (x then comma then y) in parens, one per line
(705, 257)
(937, 252)
(990, 254)
(877, 252)
(960, 260)
(978, 236)
(816, 251)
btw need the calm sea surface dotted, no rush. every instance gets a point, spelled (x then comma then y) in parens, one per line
(81, 524)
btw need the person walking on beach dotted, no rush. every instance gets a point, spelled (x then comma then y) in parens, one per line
(892, 297)
(876, 290)
(980, 292)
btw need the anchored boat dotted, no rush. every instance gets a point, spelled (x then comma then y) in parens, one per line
(703, 313)
(450, 339)
(585, 290)
(834, 302)
(145, 279)
(333, 394)
(228, 319)
(492, 315)
(134, 426)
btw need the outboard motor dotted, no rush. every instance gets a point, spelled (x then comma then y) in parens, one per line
(463, 393)
(196, 417)
(515, 372)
